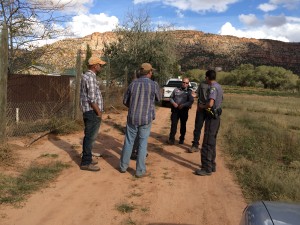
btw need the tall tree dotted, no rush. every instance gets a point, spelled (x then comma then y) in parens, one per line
(29, 21)
(138, 42)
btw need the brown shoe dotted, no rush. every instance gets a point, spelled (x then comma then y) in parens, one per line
(90, 167)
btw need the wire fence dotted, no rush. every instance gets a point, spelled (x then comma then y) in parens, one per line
(34, 101)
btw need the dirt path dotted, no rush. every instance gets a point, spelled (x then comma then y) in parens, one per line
(171, 195)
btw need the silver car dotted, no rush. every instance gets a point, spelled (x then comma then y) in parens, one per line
(271, 213)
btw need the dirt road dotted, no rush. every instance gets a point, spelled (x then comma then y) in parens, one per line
(171, 195)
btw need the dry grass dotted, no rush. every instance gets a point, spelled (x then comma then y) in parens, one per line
(262, 136)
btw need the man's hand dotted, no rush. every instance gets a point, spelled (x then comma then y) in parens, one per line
(180, 106)
(175, 105)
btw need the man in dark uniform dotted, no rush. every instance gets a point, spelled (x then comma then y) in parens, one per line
(181, 100)
(212, 124)
(200, 115)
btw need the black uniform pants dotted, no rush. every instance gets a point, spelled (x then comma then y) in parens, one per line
(208, 151)
(199, 121)
(182, 115)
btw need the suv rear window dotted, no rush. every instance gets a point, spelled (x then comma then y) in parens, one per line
(174, 83)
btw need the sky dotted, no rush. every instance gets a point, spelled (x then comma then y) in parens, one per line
(260, 19)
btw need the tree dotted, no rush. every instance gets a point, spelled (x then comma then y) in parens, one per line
(138, 42)
(31, 21)
(87, 56)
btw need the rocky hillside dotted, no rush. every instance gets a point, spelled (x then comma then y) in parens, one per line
(196, 50)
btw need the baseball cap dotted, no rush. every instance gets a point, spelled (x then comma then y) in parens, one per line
(147, 66)
(95, 60)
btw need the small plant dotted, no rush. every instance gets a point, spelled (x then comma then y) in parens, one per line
(48, 155)
(125, 208)
(129, 221)
(165, 176)
(135, 194)
(145, 209)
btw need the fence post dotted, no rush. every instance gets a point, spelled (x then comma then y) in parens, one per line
(126, 77)
(3, 82)
(107, 94)
(77, 86)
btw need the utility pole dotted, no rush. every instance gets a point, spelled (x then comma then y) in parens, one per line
(3, 82)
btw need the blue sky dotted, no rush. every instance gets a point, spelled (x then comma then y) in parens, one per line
(260, 19)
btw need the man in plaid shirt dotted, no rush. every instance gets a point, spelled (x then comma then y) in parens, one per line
(140, 99)
(91, 103)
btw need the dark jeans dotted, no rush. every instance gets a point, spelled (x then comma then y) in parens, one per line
(91, 128)
(208, 151)
(182, 115)
(199, 120)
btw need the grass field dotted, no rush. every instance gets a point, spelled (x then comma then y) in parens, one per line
(261, 134)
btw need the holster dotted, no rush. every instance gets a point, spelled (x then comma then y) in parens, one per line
(213, 112)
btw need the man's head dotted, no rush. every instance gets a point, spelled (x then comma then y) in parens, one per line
(146, 69)
(185, 82)
(95, 63)
(210, 75)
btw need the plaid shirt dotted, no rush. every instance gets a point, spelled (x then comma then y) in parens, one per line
(140, 99)
(90, 92)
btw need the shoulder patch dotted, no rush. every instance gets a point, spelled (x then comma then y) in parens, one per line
(212, 90)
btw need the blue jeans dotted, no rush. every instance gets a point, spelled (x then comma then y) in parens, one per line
(91, 128)
(131, 132)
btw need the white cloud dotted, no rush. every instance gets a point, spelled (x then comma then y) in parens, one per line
(288, 4)
(267, 7)
(83, 25)
(179, 14)
(288, 32)
(249, 20)
(199, 6)
(274, 21)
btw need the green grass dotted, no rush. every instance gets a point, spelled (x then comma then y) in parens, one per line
(261, 134)
(258, 91)
(15, 189)
(6, 155)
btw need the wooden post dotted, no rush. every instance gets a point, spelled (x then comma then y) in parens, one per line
(77, 86)
(126, 77)
(3, 82)
(107, 81)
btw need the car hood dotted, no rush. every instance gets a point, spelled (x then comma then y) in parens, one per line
(283, 213)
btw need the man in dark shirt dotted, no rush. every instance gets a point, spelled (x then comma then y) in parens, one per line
(212, 125)
(181, 100)
(200, 115)
(140, 99)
